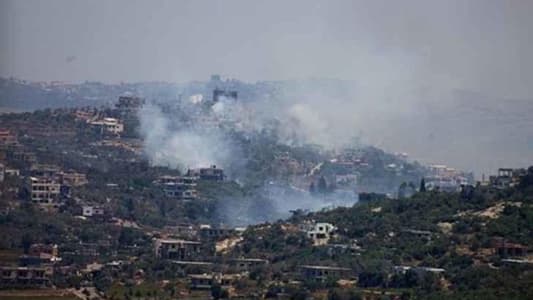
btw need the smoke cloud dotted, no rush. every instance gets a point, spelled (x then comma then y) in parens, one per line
(169, 142)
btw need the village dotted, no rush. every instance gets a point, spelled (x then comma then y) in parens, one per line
(107, 224)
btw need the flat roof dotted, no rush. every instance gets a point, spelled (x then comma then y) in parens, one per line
(325, 268)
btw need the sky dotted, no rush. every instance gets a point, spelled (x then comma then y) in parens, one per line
(408, 60)
(481, 45)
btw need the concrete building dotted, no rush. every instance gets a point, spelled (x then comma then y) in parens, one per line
(212, 173)
(110, 125)
(44, 170)
(92, 210)
(182, 187)
(44, 191)
(506, 177)
(176, 249)
(206, 281)
(24, 277)
(7, 137)
(320, 233)
(129, 103)
(504, 248)
(210, 233)
(73, 179)
(323, 273)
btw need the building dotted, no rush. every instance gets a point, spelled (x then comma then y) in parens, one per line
(323, 273)
(92, 211)
(22, 155)
(506, 177)
(44, 170)
(504, 248)
(182, 187)
(212, 173)
(24, 277)
(176, 249)
(44, 191)
(11, 172)
(206, 281)
(320, 233)
(247, 264)
(38, 249)
(129, 103)
(110, 125)
(210, 233)
(7, 137)
(73, 179)
(219, 94)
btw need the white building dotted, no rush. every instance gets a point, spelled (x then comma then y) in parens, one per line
(320, 233)
(111, 125)
(92, 210)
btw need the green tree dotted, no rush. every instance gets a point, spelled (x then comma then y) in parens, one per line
(422, 185)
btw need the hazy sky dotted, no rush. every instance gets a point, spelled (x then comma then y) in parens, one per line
(479, 45)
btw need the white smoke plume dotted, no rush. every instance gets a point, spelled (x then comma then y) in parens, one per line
(169, 142)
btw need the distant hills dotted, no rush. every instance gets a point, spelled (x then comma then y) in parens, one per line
(462, 128)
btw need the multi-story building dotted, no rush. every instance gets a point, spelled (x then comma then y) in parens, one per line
(320, 233)
(182, 187)
(176, 249)
(44, 191)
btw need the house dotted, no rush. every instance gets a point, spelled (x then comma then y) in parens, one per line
(212, 173)
(7, 137)
(206, 281)
(111, 125)
(37, 249)
(11, 172)
(22, 155)
(24, 277)
(506, 177)
(201, 281)
(323, 273)
(210, 233)
(504, 248)
(176, 249)
(193, 267)
(320, 233)
(44, 191)
(44, 170)
(73, 179)
(92, 210)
